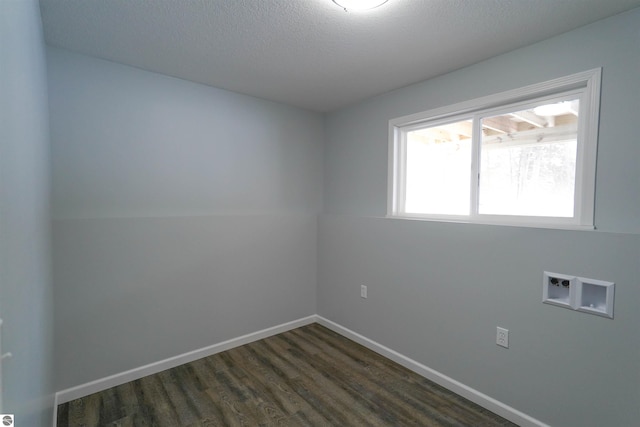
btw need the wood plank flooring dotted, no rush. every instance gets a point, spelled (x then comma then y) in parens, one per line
(309, 376)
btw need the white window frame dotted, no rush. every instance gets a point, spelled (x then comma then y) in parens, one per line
(584, 85)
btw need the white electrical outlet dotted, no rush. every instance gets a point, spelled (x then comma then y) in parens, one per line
(363, 291)
(502, 337)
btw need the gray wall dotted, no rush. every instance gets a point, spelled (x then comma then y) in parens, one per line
(184, 215)
(437, 291)
(128, 143)
(25, 282)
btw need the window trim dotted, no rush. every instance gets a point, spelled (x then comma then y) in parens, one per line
(586, 83)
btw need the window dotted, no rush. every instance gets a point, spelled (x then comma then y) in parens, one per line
(522, 157)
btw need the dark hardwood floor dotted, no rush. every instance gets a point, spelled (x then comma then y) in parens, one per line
(309, 376)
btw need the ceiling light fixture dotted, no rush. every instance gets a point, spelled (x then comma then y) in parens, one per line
(551, 110)
(356, 5)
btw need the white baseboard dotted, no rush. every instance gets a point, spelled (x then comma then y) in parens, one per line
(82, 390)
(457, 387)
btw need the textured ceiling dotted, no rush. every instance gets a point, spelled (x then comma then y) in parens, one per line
(309, 53)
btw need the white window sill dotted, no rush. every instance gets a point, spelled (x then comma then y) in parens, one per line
(514, 223)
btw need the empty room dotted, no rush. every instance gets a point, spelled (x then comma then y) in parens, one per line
(318, 212)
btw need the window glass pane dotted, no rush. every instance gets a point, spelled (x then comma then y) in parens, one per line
(528, 161)
(438, 169)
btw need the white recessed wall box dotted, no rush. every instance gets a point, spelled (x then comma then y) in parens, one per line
(578, 293)
(559, 289)
(595, 297)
